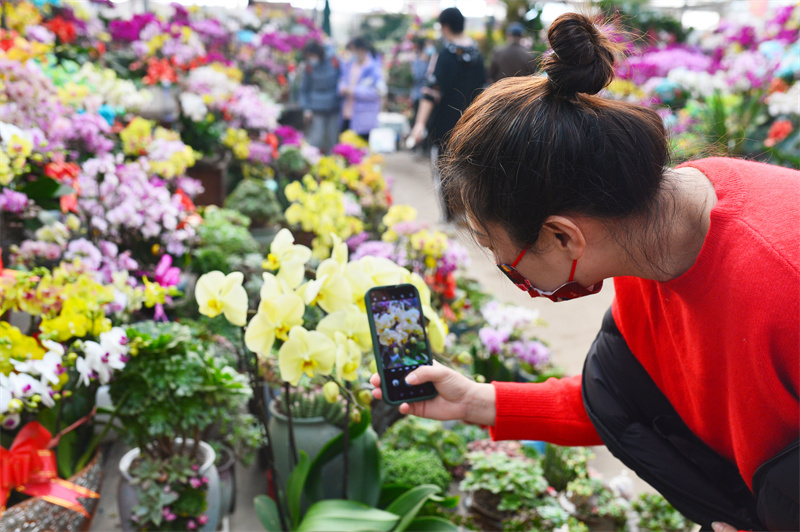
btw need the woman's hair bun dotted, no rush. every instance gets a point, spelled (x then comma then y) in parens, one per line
(582, 59)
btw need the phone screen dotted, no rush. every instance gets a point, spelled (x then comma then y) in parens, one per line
(400, 342)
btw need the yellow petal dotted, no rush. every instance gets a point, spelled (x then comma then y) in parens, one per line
(270, 288)
(260, 334)
(437, 333)
(206, 289)
(232, 280)
(322, 350)
(234, 305)
(282, 241)
(335, 294)
(292, 272)
(292, 356)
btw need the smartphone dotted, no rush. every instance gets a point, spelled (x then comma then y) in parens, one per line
(399, 340)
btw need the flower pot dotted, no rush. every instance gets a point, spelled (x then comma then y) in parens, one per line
(36, 514)
(227, 480)
(127, 497)
(483, 505)
(311, 434)
(213, 175)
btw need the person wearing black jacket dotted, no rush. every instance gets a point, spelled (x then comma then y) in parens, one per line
(455, 77)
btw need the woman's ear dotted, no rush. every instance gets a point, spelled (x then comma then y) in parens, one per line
(565, 235)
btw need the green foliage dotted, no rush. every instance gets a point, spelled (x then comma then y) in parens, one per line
(638, 16)
(172, 387)
(309, 403)
(385, 26)
(562, 465)
(728, 121)
(413, 467)
(170, 493)
(290, 164)
(203, 136)
(255, 199)
(222, 238)
(518, 481)
(592, 499)
(655, 513)
(421, 434)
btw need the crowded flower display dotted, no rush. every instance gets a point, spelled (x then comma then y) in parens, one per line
(116, 266)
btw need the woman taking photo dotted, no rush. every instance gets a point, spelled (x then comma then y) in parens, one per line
(694, 376)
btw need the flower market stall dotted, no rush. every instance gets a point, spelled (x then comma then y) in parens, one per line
(183, 274)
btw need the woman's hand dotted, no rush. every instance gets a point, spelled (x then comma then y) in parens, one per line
(458, 397)
(719, 526)
(418, 133)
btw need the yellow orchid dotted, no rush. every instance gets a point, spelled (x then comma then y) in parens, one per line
(370, 271)
(217, 293)
(348, 358)
(280, 310)
(306, 352)
(288, 258)
(350, 321)
(437, 330)
(17, 346)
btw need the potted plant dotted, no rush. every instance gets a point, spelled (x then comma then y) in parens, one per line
(172, 390)
(57, 346)
(307, 334)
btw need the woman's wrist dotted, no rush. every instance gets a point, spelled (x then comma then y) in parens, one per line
(481, 405)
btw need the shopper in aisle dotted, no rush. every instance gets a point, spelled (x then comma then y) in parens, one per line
(456, 75)
(424, 50)
(693, 380)
(319, 96)
(512, 59)
(362, 88)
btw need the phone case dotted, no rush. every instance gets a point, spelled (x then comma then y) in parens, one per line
(376, 348)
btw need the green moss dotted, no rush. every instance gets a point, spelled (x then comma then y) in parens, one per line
(414, 467)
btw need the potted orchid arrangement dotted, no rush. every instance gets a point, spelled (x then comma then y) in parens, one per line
(310, 331)
(57, 348)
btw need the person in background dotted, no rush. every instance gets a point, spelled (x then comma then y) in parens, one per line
(319, 96)
(362, 87)
(512, 59)
(455, 76)
(693, 380)
(424, 50)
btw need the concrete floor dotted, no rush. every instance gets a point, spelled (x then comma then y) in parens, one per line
(572, 326)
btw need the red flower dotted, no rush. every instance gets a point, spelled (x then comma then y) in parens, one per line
(66, 173)
(7, 40)
(159, 71)
(779, 130)
(186, 201)
(63, 29)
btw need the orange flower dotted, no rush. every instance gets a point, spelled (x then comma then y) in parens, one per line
(779, 130)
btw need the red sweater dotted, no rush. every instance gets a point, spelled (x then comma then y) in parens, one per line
(722, 341)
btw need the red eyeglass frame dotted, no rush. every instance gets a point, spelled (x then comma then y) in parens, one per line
(522, 282)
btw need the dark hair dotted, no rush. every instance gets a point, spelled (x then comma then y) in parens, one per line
(532, 147)
(361, 43)
(453, 19)
(314, 48)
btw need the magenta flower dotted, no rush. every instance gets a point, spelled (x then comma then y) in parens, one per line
(352, 154)
(203, 519)
(166, 273)
(195, 482)
(191, 525)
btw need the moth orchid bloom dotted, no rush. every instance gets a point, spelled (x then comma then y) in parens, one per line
(217, 293)
(306, 352)
(288, 258)
(279, 311)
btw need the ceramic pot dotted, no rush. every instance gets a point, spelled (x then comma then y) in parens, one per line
(37, 515)
(127, 497)
(311, 434)
(226, 463)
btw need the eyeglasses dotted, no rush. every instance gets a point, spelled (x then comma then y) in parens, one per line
(510, 271)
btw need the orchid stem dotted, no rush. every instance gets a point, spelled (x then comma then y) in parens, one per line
(288, 403)
(346, 443)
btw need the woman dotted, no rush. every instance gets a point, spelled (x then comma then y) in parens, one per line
(693, 379)
(319, 96)
(362, 87)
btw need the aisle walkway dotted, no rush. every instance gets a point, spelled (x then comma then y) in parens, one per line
(572, 325)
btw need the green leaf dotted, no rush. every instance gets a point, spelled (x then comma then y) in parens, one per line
(267, 512)
(46, 188)
(432, 524)
(329, 451)
(446, 502)
(364, 480)
(390, 492)
(408, 505)
(294, 487)
(337, 515)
